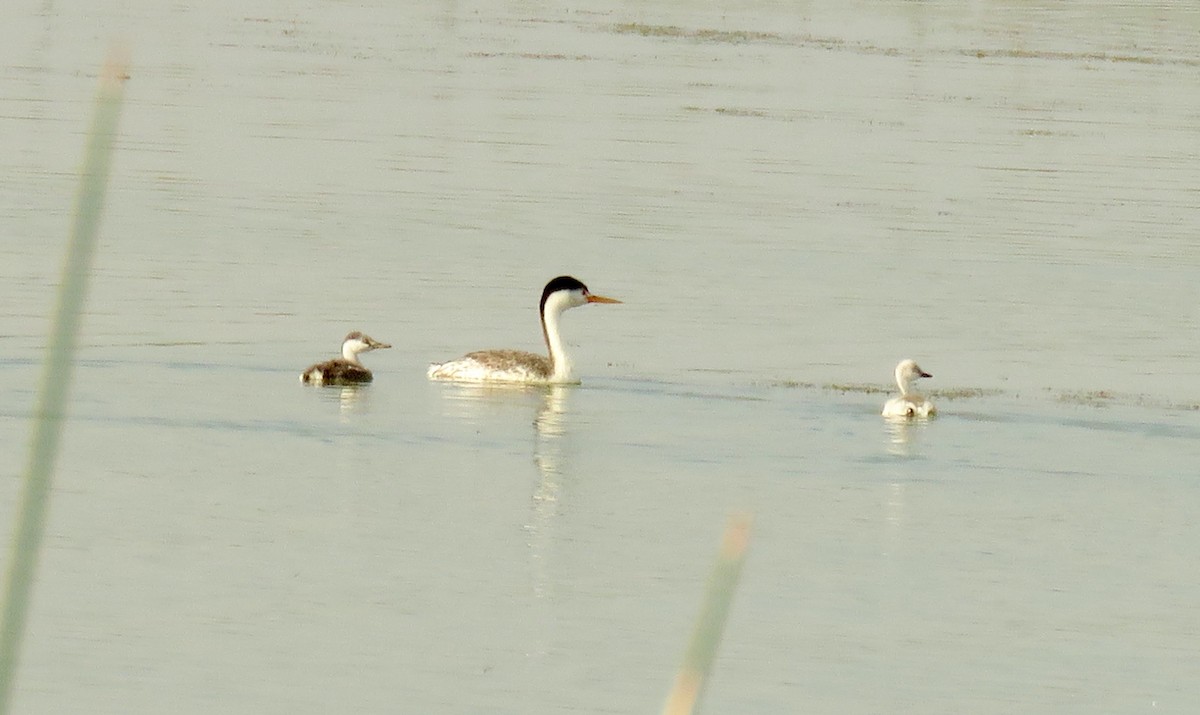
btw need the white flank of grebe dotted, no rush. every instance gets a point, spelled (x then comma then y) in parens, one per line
(347, 369)
(909, 403)
(559, 295)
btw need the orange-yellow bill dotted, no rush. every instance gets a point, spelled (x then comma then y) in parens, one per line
(600, 299)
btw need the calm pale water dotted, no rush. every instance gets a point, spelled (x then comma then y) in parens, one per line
(789, 197)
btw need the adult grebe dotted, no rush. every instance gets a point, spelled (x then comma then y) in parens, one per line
(347, 369)
(909, 403)
(560, 294)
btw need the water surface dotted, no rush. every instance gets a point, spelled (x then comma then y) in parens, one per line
(789, 199)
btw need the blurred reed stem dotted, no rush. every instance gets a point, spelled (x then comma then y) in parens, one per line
(702, 650)
(50, 410)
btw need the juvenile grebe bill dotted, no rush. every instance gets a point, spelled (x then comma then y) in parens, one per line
(347, 369)
(518, 366)
(909, 403)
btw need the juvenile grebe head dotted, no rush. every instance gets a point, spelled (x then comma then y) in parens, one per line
(907, 372)
(357, 342)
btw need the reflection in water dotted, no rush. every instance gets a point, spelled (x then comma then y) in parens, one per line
(477, 402)
(904, 434)
(894, 515)
(351, 399)
(549, 428)
(470, 401)
(550, 421)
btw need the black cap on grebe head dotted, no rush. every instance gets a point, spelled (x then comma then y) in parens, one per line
(561, 283)
(577, 294)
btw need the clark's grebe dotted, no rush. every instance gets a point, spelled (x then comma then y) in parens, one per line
(560, 294)
(346, 369)
(909, 403)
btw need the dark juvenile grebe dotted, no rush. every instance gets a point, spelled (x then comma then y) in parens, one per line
(560, 294)
(347, 369)
(909, 403)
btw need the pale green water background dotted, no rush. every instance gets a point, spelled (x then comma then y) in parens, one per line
(788, 196)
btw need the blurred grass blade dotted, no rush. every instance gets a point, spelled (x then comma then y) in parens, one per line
(702, 650)
(56, 373)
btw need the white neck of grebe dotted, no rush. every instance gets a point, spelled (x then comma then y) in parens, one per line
(905, 383)
(350, 351)
(551, 312)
